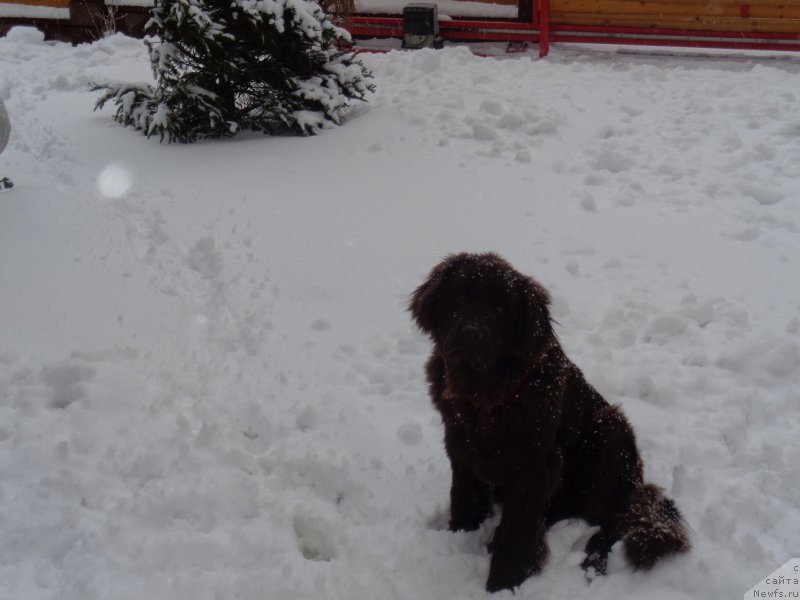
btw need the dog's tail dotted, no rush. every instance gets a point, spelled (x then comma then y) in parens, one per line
(652, 528)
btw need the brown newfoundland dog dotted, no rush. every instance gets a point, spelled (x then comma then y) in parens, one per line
(523, 428)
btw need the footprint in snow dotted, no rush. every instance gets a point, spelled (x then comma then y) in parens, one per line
(321, 325)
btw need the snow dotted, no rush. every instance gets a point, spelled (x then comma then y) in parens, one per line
(209, 387)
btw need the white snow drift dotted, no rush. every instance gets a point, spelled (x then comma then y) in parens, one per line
(209, 388)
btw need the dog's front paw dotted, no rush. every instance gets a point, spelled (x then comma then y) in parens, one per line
(595, 565)
(504, 576)
(597, 549)
(509, 572)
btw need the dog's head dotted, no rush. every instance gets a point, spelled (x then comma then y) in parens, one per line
(480, 311)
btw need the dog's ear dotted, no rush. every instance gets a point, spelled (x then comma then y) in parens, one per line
(425, 299)
(536, 328)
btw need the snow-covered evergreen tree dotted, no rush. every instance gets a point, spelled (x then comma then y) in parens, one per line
(222, 66)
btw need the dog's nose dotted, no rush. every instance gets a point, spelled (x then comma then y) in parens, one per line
(472, 333)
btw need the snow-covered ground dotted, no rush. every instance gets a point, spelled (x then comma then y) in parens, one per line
(209, 388)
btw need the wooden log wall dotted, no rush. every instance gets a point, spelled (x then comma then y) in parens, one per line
(752, 16)
(45, 3)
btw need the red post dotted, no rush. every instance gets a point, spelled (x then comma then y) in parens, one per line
(544, 28)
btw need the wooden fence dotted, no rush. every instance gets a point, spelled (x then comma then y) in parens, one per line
(756, 16)
(75, 21)
(738, 24)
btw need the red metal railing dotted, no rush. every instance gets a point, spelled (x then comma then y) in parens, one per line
(472, 30)
(539, 29)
